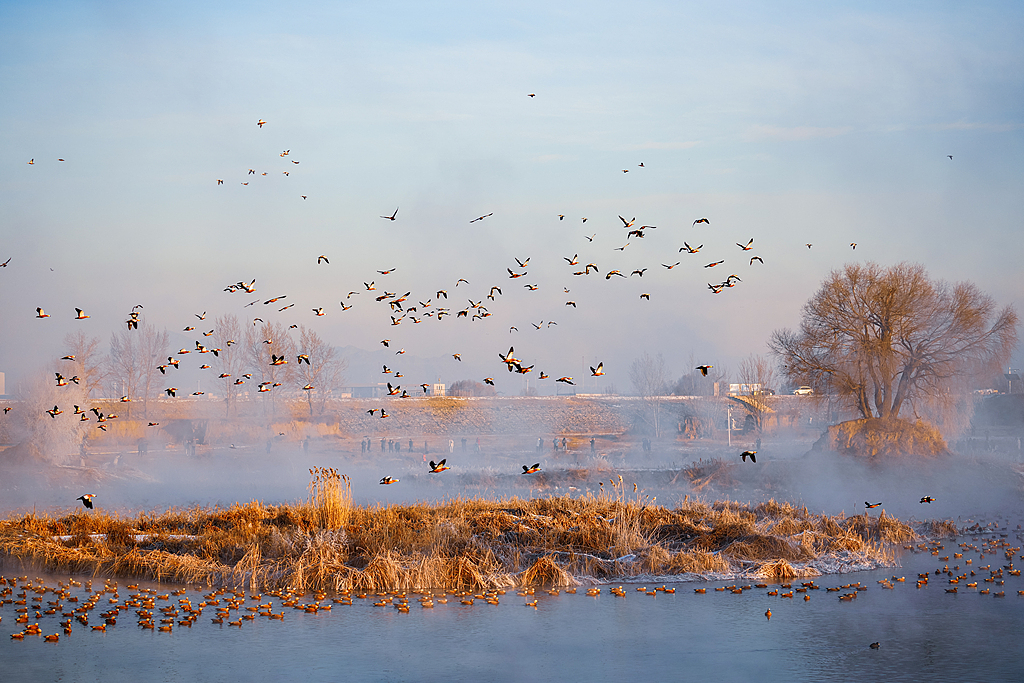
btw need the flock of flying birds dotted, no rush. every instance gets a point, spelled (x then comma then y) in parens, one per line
(403, 308)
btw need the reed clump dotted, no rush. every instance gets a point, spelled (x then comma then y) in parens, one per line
(466, 544)
(330, 496)
(940, 528)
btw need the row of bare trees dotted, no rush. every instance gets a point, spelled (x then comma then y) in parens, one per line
(252, 350)
(131, 368)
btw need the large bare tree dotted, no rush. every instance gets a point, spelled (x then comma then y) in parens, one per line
(230, 359)
(318, 370)
(884, 337)
(649, 382)
(134, 357)
(89, 365)
(262, 344)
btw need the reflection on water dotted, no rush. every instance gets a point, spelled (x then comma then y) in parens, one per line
(924, 634)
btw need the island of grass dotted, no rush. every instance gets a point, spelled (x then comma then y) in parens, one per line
(329, 544)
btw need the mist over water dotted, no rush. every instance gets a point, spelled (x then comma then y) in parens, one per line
(786, 469)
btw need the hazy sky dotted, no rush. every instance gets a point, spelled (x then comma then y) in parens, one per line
(789, 123)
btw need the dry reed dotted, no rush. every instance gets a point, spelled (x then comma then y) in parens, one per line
(467, 544)
(330, 495)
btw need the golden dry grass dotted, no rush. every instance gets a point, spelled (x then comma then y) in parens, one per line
(467, 544)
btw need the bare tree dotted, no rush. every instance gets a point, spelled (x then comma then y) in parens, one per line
(153, 348)
(888, 336)
(134, 357)
(89, 366)
(469, 387)
(649, 382)
(318, 371)
(696, 383)
(230, 358)
(125, 363)
(758, 373)
(52, 437)
(262, 345)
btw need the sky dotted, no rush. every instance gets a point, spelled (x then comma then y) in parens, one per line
(789, 123)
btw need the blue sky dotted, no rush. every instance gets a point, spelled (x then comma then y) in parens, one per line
(791, 123)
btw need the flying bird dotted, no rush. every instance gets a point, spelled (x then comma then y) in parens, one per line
(81, 314)
(87, 499)
(690, 250)
(260, 123)
(388, 480)
(435, 468)
(391, 218)
(486, 215)
(54, 412)
(704, 369)
(566, 380)
(645, 296)
(746, 247)
(629, 223)
(715, 263)
(756, 258)
(702, 220)
(598, 371)
(748, 454)
(531, 469)
(40, 314)
(869, 506)
(928, 499)
(672, 266)
(323, 258)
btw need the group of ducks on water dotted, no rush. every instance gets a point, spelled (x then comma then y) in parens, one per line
(227, 603)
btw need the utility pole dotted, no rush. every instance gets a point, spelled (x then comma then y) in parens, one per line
(728, 424)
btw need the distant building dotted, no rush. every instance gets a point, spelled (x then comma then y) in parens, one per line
(745, 389)
(437, 390)
(365, 391)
